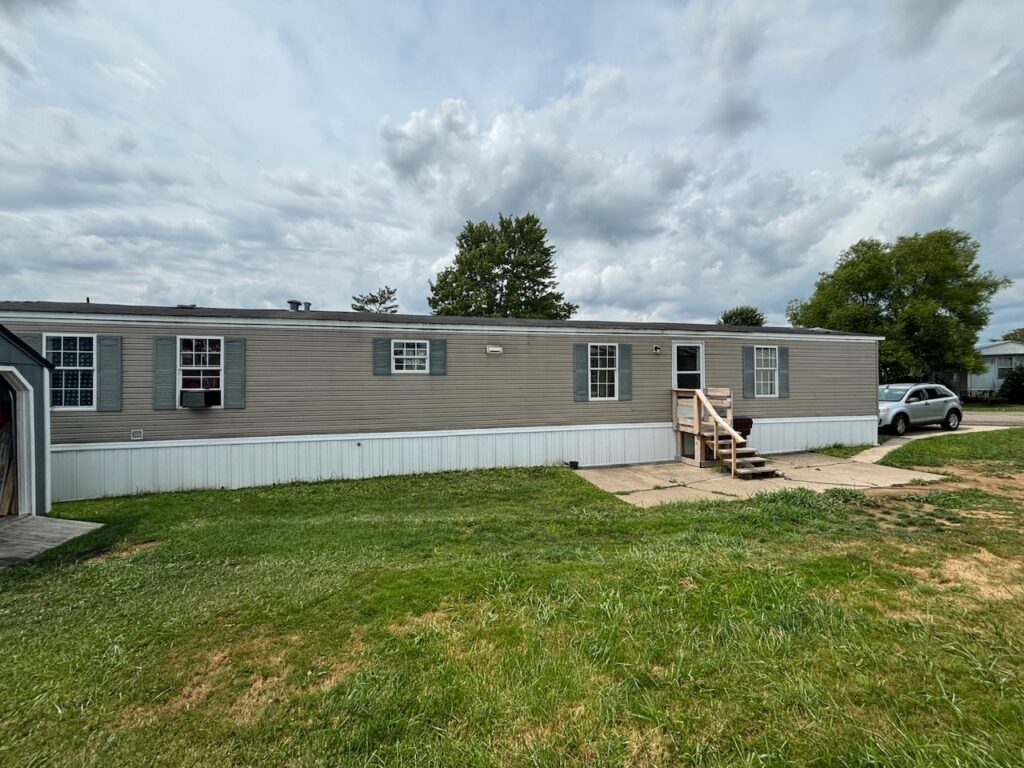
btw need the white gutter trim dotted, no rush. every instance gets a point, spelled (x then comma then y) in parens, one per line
(66, 318)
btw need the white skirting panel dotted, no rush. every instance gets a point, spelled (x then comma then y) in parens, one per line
(788, 435)
(116, 469)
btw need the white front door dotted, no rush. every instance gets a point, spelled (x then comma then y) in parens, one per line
(688, 365)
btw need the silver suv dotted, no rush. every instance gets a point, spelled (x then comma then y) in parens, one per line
(901, 406)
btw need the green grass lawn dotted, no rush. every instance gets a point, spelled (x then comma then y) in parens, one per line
(992, 452)
(990, 407)
(519, 618)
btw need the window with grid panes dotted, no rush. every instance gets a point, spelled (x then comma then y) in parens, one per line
(410, 356)
(603, 367)
(72, 382)
(766, 371)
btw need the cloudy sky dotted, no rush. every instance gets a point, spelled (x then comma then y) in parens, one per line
(685, 157)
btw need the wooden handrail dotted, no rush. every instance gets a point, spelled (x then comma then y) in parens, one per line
(716, 417)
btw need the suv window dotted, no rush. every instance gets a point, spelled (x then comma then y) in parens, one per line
(934, 393)
(915, 396)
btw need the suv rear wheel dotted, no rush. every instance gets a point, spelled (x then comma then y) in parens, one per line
(952, 420)
(900, 424)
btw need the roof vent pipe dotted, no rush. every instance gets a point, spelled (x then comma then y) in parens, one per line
(293, 304)
(306, 305)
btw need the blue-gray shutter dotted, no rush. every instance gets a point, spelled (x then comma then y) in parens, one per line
(783, 371)
(382, 357)
(438, 351)
(108, 373)
(234, 373)
(165, 373)
(580, 372)
(748, 372)
(34, 340)
(625, 371)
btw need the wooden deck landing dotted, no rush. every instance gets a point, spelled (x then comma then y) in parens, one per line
(23, 537)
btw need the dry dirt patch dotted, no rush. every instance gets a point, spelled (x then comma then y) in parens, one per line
(432, 619)
(1011, 485)
(646, 747)
(265, 686)
(194, 692)
(986, 575)
(340, 669)
(131, 549)
(980, 574)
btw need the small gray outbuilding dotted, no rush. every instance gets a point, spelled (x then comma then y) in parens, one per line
(24, 428)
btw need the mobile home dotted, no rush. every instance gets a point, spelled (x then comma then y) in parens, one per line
(1000, 358)
(171, 398)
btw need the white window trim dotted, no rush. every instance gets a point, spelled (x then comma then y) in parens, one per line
(402, 371)
(756, 369)
(615, 395)
(177, 371)
(676, 371)
(95, 369)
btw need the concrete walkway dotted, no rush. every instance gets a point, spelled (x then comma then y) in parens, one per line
(871, 455)
(994, 418)
(25, 536)
(646, 485)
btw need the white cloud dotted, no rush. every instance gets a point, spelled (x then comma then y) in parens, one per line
(683, 159)
(137, 74)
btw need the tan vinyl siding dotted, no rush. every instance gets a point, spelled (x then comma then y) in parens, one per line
(307, 381)
(826, 378)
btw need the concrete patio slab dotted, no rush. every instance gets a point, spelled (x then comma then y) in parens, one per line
(724, 486)
(851, 474)
(23, 537)
(639, 477)
(647, 485)
(803, 459)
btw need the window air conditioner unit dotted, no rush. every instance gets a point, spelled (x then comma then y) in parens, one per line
(200, 399)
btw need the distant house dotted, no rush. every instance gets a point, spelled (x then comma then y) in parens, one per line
(175, 398)
(1000, 358)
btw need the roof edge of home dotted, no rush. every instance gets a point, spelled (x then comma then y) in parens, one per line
(111, 311)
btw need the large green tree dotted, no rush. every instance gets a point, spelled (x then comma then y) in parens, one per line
(503, 270)
(926, 294)
(743, 315)
(1017, 334)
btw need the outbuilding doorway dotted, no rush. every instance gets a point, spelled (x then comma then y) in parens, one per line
(24, 425)
(8, 451)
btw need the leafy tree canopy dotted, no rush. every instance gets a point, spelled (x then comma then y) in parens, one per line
(926, 294)
(380, 301)
(1017, 334)
(742, 315)
(506, 270)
